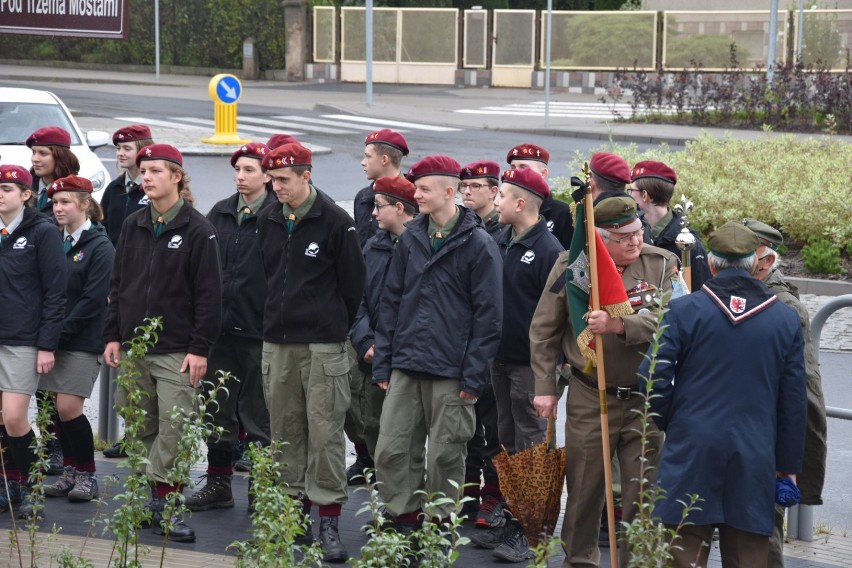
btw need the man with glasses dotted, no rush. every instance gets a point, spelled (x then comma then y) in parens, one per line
(478, 187)
(647, 273)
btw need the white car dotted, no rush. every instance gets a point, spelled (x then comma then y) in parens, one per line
(23, 111)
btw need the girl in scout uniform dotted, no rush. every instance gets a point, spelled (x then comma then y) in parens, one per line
(89, 256)
(52, 159)
(32, 293)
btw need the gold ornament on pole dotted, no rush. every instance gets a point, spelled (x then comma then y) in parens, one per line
(685, 240)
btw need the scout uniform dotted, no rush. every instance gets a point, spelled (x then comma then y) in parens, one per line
(437, 333)
(486, 172)
(556, 214)
(729, 392)
(48, 136)
(315, 281)
(123, 195)
(646, 280)
(238, 350)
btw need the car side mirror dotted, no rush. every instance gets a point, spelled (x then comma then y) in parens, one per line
(97, 138)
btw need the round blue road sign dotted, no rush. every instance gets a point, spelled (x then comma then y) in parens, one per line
(225, 88)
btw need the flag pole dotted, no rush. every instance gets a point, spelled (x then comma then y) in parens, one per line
(591, 239)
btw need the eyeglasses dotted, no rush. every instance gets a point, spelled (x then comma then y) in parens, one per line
(628, 237)
(632, 189)
(379, 206)
(472, 186)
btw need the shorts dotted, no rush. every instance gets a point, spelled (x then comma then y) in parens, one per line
(75, 372)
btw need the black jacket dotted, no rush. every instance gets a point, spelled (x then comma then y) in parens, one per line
(117, 204)
(243, 278)
(33, 277)
(698, 256)
(494, 228)
(441, 313)
(89, 265)
(559, 220)
(365, 224)
(175, 275)
(526, 266)
(377, 256)
(315, 277)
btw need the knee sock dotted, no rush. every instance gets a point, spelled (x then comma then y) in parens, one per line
(65, 440)
(77, 434)
(9, 459)
(23, 454)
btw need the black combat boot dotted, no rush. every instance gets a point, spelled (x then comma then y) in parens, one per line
(333, 550)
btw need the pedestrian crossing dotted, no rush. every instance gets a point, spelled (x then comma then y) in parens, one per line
(295, 125)
(594, 110)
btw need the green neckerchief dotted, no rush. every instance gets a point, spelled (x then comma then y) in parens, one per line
(661, 225)
(491, 217)
(294, 216)
(437, 235)
(253, 207)
(160, 220)
(517, 237)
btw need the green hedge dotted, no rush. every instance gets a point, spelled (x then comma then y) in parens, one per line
(800, 186)
(193, 33)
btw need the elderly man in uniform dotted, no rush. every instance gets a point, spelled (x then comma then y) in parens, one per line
(812, 477)
(647, 273)
(729, 392)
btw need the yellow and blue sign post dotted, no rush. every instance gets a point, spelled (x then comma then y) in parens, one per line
(225, 90)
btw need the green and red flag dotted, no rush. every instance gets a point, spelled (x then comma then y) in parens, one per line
(613, 297)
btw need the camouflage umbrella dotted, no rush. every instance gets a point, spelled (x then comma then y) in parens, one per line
(532, 481)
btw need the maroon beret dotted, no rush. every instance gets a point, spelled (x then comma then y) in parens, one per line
(165, 152)
(389, 137)
(70, 183)
(256, 150)
(280, 139)
(433, 166)
(396, 187)
(287, 156)
(15, 174)
(528, 152)
(131, 134)
(611, 167)
(528, 179)
(481, 169)
(652, 169)
(49, 136)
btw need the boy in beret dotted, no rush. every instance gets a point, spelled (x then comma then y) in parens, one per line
(652, 187)
(729, 391)
(315, 281)
(556, 213)
(166, 265)
(647, 274)
(395, 206)
(812, 477)
(239, 347)
(438, 330)
(478, 186)
(383, 153)
(529, 251)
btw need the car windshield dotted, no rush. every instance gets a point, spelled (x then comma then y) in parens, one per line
(19, 120)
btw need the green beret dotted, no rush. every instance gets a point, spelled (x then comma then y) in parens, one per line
(769, 236)
(615, 212)
(733, 241)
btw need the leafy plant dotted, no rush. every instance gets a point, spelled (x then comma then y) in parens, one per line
(822, 257)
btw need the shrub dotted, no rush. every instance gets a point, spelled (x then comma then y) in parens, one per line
(821, 257)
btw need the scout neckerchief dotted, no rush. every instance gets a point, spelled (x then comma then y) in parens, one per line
(162, 219)
(437, 235)
(294, 215)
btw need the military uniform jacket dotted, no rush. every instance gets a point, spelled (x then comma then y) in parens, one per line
(89, 263)
(551, 333)
(365, 224)
(442, 312)
(33, 277)
(812, 477)
(697, 256)
(175, 276)
(526, 266)
(559, 220)
(732, 402)
(243, 277)
(117, 203)
(377, 256)
(315, 276)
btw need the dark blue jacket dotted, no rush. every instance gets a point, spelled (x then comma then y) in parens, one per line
(243, 277)
(442, 312)
(89, 266)
(731, 399)
(365, 223)
(526, 266)
(117, 204)
(175, 276)
(697, 256)
(377, 256)
(33, 276)
(559, 220)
